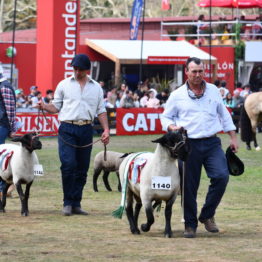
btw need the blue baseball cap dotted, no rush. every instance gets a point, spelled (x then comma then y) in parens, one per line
(82, 61)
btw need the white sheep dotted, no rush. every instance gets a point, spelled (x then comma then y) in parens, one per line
(107, 164)
(20, 168)
(159, 180)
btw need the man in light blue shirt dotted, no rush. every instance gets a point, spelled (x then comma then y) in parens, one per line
(198, 107)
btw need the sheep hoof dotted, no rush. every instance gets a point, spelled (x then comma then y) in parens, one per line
(25, 214)
(2, 210)
(136, 232)
(168, 235)
(145, 227)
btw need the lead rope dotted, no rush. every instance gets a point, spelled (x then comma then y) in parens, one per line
(75, 146)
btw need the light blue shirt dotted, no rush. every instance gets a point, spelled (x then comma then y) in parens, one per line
(76, 103)
(201, 117)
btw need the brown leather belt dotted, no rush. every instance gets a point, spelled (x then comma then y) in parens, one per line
(78, 122)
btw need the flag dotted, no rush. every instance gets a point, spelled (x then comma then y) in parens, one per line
(165, 5)
(135, 19)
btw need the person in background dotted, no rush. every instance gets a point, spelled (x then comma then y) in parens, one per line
(152, 101)
(77, 100)
(7, 114)
(239, 87)
(246, 91)
(224, 86)
(163, 96)
(128, 101)
(112, 96)
(228, 101)
(237, 99)
(36, 99)
(49, 96)
(197, 107)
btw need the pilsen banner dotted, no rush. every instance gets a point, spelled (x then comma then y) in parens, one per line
(138, 121)
(32, 122)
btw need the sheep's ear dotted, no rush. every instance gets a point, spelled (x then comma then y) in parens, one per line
(160, 140)
(16, 139)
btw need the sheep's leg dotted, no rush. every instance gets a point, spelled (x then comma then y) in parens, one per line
(129, 212)
(150, 217)
(4, 196)
(168, 214)
(27, 194)
(95, 177)
(105, 179)
(119, 183)
(23, 197)
(137, 211)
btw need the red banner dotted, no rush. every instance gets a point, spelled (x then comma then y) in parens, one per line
(138, 121)
(47, 126)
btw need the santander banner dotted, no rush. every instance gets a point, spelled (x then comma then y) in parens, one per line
(57, 40)
(138, 121)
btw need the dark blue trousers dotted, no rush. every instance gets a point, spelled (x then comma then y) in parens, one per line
(74, 161)
(4, 131)
(208, 153)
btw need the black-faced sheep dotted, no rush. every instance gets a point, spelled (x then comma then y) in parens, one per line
(159, 180)
(19, 167)
(110, 164)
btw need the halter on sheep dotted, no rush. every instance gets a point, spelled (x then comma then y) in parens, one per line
(159, 180)
(251, 115)
(20, 168)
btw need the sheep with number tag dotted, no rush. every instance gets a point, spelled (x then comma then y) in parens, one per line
(147, 177)
(17, 166)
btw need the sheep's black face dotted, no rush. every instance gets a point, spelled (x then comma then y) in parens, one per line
(36, 143)
(176, 143)
(30, 141)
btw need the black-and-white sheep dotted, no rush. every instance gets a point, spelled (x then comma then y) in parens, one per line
(20, 168)
(159, 180)
(109, 164)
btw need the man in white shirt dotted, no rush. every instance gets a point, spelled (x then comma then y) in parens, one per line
(198, 107)
(78, 99)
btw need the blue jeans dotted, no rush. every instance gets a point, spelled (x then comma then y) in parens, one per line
(208, 153)
(4, 131)
(74, 161)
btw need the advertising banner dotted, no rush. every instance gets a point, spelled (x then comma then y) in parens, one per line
(135, 19)
(138, 121)
(32, 122)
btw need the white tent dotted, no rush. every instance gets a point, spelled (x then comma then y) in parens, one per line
(129, 51)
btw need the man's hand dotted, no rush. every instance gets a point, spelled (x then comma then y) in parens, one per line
(105, 136)
(12, 134)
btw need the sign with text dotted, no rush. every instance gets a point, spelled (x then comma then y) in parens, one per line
(32, 122)
(167, 60)
(138, 121)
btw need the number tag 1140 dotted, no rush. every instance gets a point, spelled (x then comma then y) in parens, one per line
(160, 182)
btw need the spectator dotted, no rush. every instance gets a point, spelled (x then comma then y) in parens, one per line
(36, 98)
(163, 96)
(128, 101)
(49, 96)
(225, 35)
(20, 101)
(201, 27)
(247, 90)
(112, 96)
(152, 101)
(224, 86)
(237, 99)
(228, 101)
(239, 87)
(33, 89)
(144, 99)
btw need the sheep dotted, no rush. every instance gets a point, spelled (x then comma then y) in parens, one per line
(110, 164)
(159, 180)
(20, 168)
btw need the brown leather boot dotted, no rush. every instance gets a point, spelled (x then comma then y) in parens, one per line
(210, 225)
(190, 232)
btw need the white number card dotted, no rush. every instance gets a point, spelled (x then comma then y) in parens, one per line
(38, 170)
(160, 182)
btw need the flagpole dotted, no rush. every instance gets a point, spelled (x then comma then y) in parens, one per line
(142, 41)
(210, 41)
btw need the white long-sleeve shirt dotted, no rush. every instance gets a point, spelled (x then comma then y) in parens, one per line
(75, 103)
(201, 117)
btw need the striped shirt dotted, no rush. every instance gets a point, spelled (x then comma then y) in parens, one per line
(10, 106)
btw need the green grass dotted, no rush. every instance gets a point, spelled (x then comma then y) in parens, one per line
(46, 235)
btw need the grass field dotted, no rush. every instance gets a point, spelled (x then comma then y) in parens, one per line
(46, 235)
